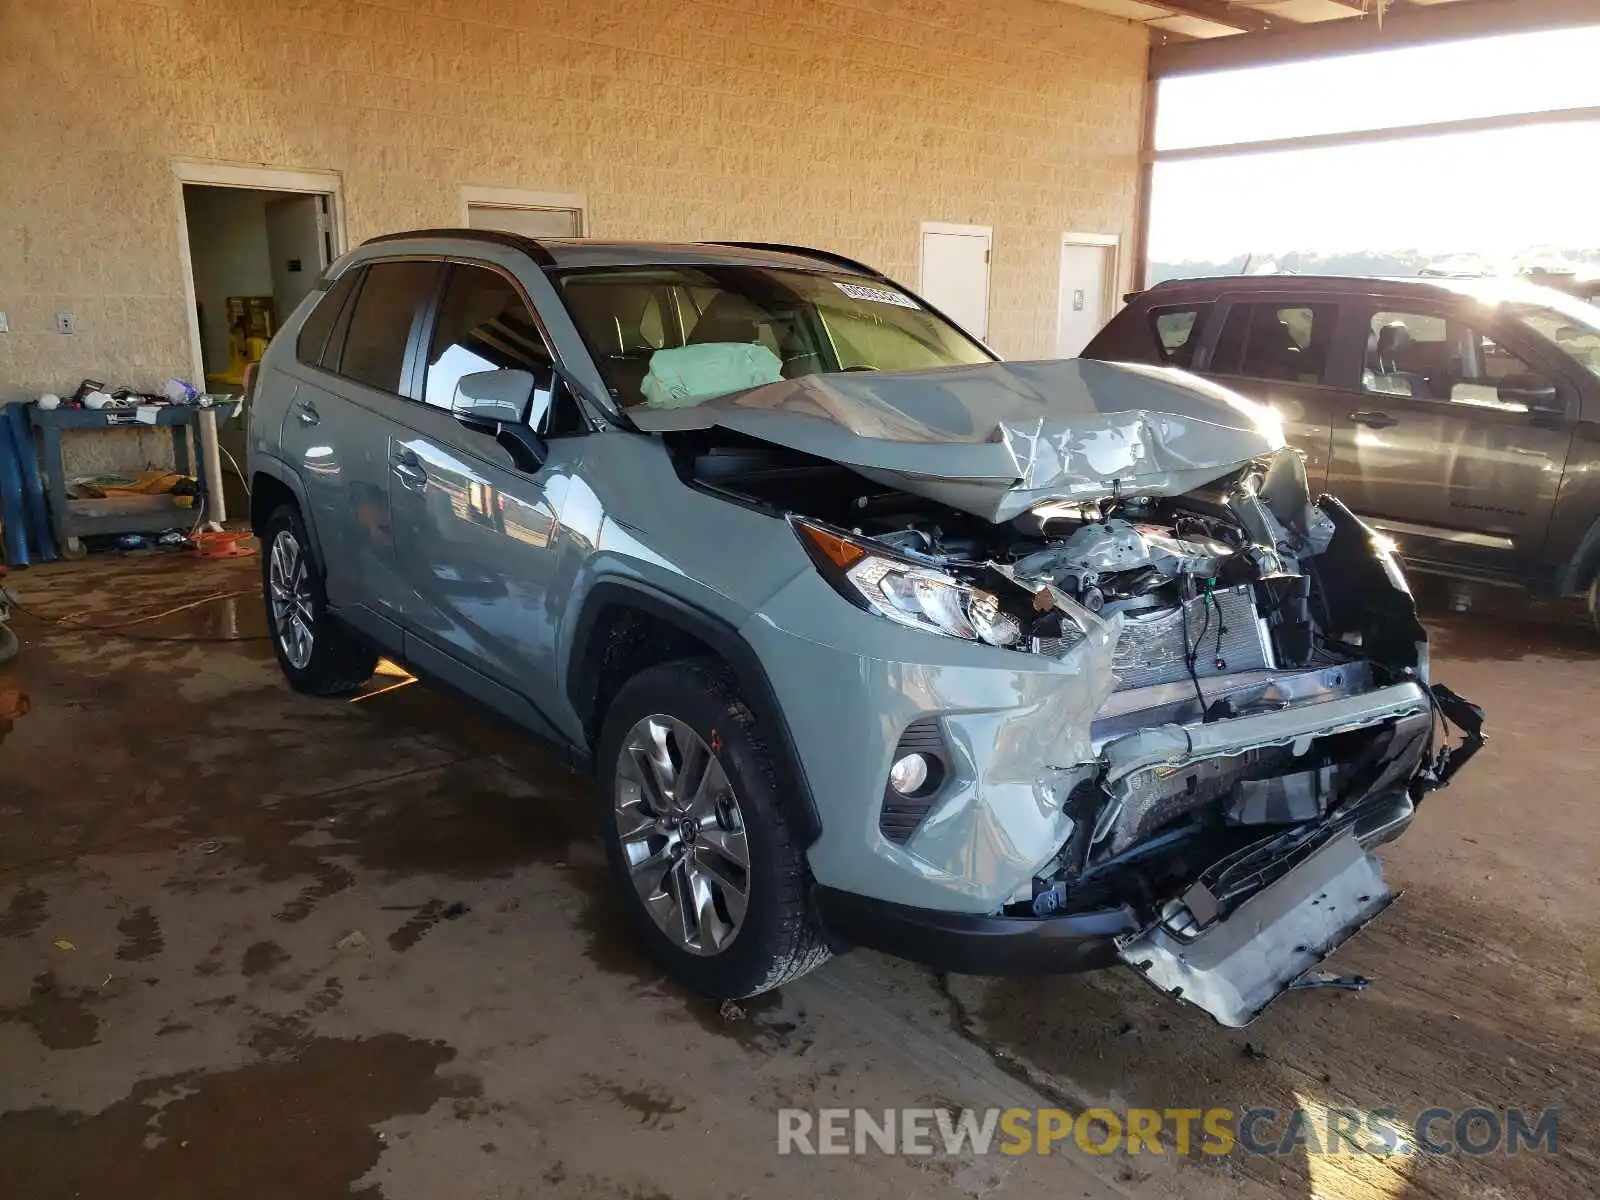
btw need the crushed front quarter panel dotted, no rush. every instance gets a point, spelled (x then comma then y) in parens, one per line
(1018, 727)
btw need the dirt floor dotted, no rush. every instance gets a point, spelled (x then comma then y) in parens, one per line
(257, 945)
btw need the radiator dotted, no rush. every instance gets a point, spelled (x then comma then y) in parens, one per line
(1152, 648)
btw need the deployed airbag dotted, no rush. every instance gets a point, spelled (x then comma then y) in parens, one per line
(687, 375)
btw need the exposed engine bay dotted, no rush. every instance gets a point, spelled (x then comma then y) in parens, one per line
(1241, 598)
(1204, 585)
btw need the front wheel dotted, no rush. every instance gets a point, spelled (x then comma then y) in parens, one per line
(696, 838)
(317, 654)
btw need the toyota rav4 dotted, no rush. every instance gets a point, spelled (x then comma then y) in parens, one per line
(868, 637)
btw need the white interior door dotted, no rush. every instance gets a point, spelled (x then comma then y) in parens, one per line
(530, 222)
(295, 245)
(1088, 270)
(955, 273)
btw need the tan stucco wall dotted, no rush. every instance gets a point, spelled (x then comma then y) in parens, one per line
(843, 125)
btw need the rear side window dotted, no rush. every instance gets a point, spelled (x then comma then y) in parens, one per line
(308, 347)
(1276, 340)
(483, 325)
(380, 327)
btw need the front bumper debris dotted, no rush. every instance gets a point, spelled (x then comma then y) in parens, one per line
(1448, 760)
(1235, 966)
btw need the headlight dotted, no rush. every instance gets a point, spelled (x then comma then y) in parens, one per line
(910, 593)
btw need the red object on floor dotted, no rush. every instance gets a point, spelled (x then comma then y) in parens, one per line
(238, 543)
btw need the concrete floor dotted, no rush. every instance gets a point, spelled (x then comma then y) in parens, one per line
(256, 945)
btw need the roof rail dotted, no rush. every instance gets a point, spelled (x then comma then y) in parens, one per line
(515, 241)
(805, 252)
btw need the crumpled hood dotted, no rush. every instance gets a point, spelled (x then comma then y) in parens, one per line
(995, 440)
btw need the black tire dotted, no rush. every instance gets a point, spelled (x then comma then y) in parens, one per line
(339, 662)
(779, 940)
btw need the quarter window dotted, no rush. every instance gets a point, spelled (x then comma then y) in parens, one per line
(380, 327)
(1273, 340)
(483, 325)
(309, 346)
(1177, 333)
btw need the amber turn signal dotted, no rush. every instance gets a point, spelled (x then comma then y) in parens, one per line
(841, 552)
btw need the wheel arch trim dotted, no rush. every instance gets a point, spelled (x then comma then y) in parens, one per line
(1580, 568)
(278, 471)
(583, 681)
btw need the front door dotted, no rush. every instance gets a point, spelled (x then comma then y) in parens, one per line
(478, 536)
(1087, 271)
(1442, 443)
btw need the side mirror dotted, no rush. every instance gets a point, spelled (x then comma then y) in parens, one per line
(488, 398)
(498, 403)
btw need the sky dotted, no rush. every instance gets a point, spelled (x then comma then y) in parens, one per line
(1489, 193)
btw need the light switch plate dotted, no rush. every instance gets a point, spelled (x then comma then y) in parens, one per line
(64, 322)
(5, 323)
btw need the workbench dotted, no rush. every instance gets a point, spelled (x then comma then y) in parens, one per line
(71, 519)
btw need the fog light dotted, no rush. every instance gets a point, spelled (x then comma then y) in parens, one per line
(909, 773)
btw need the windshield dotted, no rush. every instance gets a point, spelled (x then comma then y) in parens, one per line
(1571, 324)
(668, 337)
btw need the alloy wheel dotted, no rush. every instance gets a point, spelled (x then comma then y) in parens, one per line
(289, 591)
(682, 834)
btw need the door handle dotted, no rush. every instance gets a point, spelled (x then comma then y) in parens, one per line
(1373, 420)
(408, 469)
(307, 413)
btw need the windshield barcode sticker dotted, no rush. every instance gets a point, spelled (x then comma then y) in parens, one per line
(858, 291)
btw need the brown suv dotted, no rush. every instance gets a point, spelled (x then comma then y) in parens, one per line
(1460, 416)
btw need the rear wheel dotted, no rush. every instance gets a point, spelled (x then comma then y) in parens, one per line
(696, 837)
(317, 654)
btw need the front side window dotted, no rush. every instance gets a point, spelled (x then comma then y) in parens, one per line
(380, 326)
(670, 336)
(1275, 340)
(1573, 326)
(1430, 357)
(483, 325)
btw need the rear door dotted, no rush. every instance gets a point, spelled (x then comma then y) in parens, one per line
(479, 536)
(1442, 442)
(335, 433)
(1279, 348)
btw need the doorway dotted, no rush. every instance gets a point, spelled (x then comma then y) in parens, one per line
(955, 273)
(1088, 289)
(254, 242)
(254, 254)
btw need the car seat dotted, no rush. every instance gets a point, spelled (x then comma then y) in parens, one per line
(1394, 343)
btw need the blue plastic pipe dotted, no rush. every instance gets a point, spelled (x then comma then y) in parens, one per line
(12, 509)
(43, 537)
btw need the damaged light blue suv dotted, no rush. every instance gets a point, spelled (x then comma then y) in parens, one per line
(869, 638)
